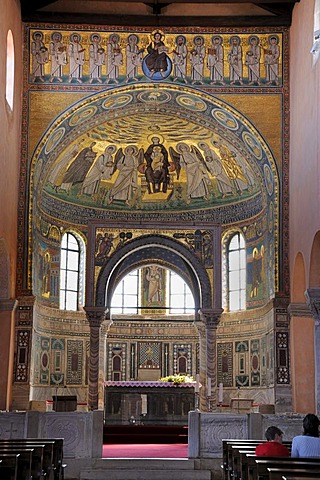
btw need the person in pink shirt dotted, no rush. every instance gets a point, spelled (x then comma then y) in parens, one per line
(273, 446)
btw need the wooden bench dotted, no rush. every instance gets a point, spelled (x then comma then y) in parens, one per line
(278, 473)
(292, 476)
(9, 466)
(262, 465)
(234, 461)
(227, 453)
(52, 454)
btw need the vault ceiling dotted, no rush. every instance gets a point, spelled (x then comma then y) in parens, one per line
(157, 13)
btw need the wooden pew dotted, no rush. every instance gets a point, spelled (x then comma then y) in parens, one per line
(261, 464)
(234, 464)
(227, 453)
(292, 476)
(278, 473)
(52, 463)
(24, 467)
(9, 466)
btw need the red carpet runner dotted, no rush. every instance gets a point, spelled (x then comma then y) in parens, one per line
(173, 450)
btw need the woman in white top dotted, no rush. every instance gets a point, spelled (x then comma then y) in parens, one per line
(308, 444)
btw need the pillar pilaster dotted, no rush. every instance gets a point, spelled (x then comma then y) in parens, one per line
(96, 316)
(313, 301)
(207, 327)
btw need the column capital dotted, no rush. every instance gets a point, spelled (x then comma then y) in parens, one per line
(313, 301)
(210, 317)
(95, 315)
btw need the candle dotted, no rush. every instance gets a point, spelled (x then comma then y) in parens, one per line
(144, 404)
(220, 392)
(209, 387)
(197, 383)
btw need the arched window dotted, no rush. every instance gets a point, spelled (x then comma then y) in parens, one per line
(10, 70)
(127, 296)
(236, 273)
(180, 297)
(71, 272)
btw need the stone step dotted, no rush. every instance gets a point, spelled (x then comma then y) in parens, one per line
(144, 463)
(144, 469)
(146, 474)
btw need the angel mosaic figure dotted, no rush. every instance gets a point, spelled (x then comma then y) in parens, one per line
(126, 184)
(214, 166)
(190, 158)
(101, 170)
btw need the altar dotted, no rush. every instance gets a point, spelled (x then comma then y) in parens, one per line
(148, 403)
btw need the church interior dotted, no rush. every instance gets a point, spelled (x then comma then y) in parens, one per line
(159, 195)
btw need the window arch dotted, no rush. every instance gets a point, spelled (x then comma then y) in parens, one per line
(235, 273)
(71, 272)
(10, 70)
(128, 295)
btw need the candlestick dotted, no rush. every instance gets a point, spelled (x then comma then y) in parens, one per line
(208, 387)
(197, 383)
(220, 392)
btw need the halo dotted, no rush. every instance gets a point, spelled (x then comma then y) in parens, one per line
(152, 135)
(114, 35)
(73, 35)
(95, 35)
(56, 34)
(37, 33)
(134, 148)
(235, 36)
(112, 147)
(273, 36)
(217, 36)
(180, 144)
(162, 35)
(133, 35)
(197, 37)
(183, 38)
(252, 37)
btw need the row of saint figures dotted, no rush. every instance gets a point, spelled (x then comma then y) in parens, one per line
(239, 63)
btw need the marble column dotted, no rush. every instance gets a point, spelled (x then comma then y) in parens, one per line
(313, 301)
(95, 316)
(207, 327)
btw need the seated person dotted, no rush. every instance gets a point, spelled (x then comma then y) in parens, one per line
(308, 444)
(273, 447)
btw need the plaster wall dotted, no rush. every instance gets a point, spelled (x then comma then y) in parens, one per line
(304, 192)
(10, 141)
(304, 173)
(10, 138)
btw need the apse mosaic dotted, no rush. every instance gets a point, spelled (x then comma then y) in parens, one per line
(148, 150)
(112, 57)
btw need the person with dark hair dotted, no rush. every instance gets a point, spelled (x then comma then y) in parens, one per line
(273, 447)
(308, 444)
